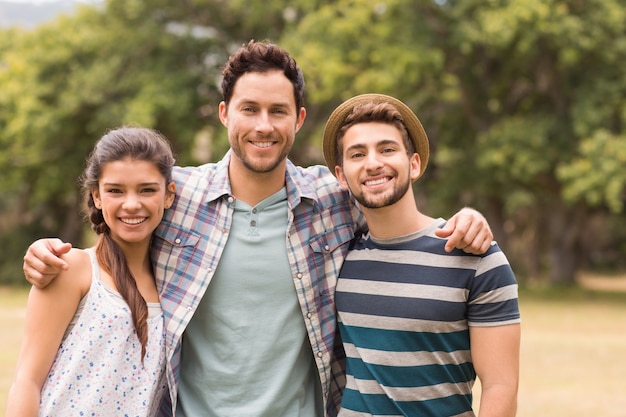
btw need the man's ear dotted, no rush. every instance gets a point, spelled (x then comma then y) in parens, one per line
(301, 117)
(416, 165)
(223, 113)
(341, 177)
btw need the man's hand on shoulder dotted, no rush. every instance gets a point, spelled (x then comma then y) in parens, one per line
(467, 230)
(42, 262)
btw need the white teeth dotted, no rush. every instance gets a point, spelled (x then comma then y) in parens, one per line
(377, 182)
(263, 144)
(134, 221)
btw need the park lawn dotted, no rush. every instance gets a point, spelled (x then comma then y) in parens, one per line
(572, 356)
(572, 353)
(12, 309)
(573, 343)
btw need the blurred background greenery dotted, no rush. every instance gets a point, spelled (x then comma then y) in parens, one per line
(524, 102)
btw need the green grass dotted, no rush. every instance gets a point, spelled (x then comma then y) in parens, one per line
(12, 309)
(573, 346)
(573, 343)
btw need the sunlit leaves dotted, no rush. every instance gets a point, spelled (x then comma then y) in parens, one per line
(598, 174)
(356, 46)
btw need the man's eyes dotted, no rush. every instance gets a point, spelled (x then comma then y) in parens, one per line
(254, 110)
(357, 155)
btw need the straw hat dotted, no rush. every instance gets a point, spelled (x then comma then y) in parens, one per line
(337, 118)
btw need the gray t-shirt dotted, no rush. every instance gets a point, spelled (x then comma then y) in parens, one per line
(245, 351)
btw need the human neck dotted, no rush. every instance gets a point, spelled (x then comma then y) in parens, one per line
(399, 219)
(253, 187)
(137, 257)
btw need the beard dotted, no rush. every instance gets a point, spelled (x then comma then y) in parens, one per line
(260, 165)
(382, 200)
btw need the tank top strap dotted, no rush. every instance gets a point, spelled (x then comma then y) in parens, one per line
(95, 267)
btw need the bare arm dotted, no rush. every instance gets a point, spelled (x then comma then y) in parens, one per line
(48, 313)
(495, 353)
(42, 262)
(467, 230)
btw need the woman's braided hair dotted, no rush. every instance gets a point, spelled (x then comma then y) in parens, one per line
(138, 144)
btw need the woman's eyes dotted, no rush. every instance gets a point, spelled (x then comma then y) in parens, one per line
(146, 190)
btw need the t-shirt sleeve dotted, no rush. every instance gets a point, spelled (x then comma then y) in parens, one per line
(493, 297)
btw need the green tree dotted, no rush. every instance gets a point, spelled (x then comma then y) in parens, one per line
(63, 85)
(523, 100)
(156, 63)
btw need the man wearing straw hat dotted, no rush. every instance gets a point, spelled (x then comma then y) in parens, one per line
(418, 324)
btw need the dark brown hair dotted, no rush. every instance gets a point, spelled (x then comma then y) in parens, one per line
(126, 142)
(262, 57)
(373, 112)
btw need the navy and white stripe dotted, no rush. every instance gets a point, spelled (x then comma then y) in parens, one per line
(405, 307)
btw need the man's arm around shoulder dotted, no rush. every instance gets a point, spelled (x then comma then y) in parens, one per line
(42, 261)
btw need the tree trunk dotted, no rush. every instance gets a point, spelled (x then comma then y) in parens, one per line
(565, 256)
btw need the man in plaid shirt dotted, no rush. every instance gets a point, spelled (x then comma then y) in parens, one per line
(256, 228)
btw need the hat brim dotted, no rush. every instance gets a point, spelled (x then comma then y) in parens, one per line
(338, 116)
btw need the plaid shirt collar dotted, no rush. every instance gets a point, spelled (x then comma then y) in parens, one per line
(297, 188)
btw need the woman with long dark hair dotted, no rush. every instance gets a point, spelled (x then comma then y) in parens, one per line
(93, 342)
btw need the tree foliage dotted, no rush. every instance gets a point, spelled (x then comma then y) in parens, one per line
(524, 102)
(66, 83)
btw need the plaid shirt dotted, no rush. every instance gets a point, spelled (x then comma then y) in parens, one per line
(190, 240)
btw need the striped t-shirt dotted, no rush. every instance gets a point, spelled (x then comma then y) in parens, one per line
(405, 307)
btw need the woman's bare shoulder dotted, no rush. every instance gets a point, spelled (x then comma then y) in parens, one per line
(79, 271)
